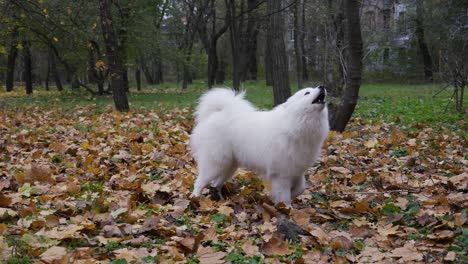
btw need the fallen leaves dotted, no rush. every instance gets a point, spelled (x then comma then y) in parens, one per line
(209, 256)
(84, 187)
(407, 253)
(276, 246)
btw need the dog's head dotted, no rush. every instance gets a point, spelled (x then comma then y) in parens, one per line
(308, 101)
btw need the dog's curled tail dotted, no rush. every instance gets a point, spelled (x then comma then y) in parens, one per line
(221, 99)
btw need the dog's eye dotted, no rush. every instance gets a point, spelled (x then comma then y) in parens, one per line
(307, 93)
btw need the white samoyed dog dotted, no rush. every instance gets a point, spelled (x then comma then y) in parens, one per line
(279, 145)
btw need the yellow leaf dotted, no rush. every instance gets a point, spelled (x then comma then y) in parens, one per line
(371, 143)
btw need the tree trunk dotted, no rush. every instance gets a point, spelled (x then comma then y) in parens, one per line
(234, 37)
(268, 63)
(249, 43)
(146, 71)
(212, 63)
(187, 74)
(54, 71)
(159, 67)
(426, 56)
(47, 74)
(297, 46)
(11, 62)
(305, 73)
(27, 67)
(275, 36)
(221, 72)
(122, 35)
(116, 68)
(354, 66)
(138, 77)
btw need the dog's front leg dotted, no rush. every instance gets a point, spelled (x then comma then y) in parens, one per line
(280, 189)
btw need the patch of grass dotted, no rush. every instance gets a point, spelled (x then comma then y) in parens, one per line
(236, 257)
(407, 104)
(389, 208)
(19, 260)
(93, 187)
(112, 245)
(404, 104)
(119, 261)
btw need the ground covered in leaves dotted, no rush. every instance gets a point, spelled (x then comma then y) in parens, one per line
(87, 188)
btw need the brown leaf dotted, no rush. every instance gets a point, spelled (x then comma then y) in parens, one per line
(341, 170)
(39, 172)
(250, 249)
(359, 177)
(55, 255)
(225, 210)
(276, 246)
(208, 255)
(451, 256)
(387, 230)
(131, 255)
(441, 235)
(407, 253)
(321, 236)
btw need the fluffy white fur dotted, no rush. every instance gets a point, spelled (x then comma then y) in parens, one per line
(279, 145)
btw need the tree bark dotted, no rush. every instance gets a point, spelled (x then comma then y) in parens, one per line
(159, 67)
(27, 67)
(116, 68)
(54, 71)
(235, 28)
(11, 62)
(305, 72)
(354, 66)
(268, 63)
(122, 35)
(138, 78)
(146, 71)
(47, 74)
(420, 35)
(297, 45)
(275, 36)
(249, 43)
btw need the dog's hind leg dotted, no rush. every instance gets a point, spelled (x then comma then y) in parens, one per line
(298, 187)
(280, 190)
(215, 174)
(224, 177)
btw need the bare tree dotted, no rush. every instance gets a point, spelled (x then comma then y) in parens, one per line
(277, 52)
(353, 66)
(426, 55)
(116, 69)
(210, 32)
(27, 59)
(11, 61)
(298, 45)
(455, 57)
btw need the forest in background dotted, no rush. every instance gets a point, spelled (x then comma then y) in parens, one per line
(108, 46)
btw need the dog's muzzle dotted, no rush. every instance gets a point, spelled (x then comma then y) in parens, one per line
(320, 99)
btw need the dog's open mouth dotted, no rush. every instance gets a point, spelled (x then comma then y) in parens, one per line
(320, 98)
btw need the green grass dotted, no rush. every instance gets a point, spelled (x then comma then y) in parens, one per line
(408, 104)
(403, 104)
